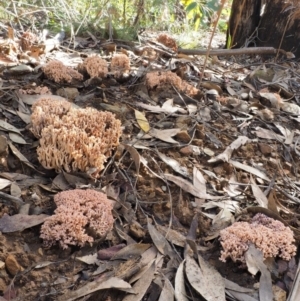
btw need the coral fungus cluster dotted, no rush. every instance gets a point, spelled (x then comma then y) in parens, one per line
(73, 139)
(81, 216)
(167, 41)
(94, 66)
(120, 64)
(58, 72)
(160, 79)
(270, 236)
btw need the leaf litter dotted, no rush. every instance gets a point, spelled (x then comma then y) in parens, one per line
(223, 151)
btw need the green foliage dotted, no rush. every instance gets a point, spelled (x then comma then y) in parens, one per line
(126, 17)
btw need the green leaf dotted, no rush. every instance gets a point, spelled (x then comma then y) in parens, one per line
(192, 7)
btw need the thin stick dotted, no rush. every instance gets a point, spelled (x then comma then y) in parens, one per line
(210, 41)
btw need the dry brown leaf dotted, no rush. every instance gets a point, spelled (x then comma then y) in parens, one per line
(21, 157)
(4, 183)
(250, 169)
(190, 188)
(89, 259)
(15, 190)
(135, 156)
(258, 194)
(20, 222)
(5, 126)
(180, 292)
(207, 283)
(226, 155)
(175, 237)
(160, 241)
(167, 108)
(255, 262)
(267, 134)
(167, 293)
(16, 138)
(131, 251)
(142, 285)
(94, 286)
(175, 165)
(165, 135)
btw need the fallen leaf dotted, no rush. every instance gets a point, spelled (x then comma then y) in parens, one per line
(226, 155)
(142, 121)
(250, 169)
(167, 293)
(142, 285)
(190, 188)
(89, 259)
(255, 262)
(94, 286)
(20, 222)
(15, 190)
(205, 283)
(131, 251)
(4, 183)
(180, 292)
(135, 156)
(159, 240)
(167, 107)
(175, 165)
(8, 127)
(258, 194)
(16, 138)
(21, 157)
(165, 135)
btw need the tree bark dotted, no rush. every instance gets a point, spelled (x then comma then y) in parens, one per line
(278, 26)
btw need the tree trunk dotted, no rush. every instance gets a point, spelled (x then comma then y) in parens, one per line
(265, 23)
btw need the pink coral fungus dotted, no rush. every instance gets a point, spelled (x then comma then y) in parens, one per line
(58, 72)
(94, 66)
(120, 64)
(81, 216)
(167, 41)
(160, 79)
(73, 139)
(270, 236)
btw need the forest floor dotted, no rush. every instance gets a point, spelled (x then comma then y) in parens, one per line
(195, 156)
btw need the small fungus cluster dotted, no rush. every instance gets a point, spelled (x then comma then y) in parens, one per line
(270, 236)
(80, 217)
(73, 139)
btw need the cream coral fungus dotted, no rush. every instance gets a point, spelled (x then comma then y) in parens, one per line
(94, 66)
(167, 41)
(80, 217)
(73, 139)
(44, 112)
(120, 64)
(160, 79)
(58, 72)
(270, 236)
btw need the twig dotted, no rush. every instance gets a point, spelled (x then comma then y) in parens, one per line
(210, 41)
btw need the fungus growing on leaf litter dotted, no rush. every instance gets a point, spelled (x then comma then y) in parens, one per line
(73, 139)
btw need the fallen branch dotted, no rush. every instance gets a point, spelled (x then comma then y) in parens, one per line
(226, 52)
